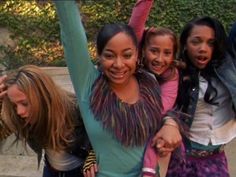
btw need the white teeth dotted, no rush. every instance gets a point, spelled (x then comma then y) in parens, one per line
(118, 74)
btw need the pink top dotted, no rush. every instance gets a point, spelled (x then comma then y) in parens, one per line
(139, 17)
(169, 89)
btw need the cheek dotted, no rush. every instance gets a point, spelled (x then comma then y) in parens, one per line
(211, 51)
(104, 64)
(148, 56)
(134, 63)
(28, 109)
(190, 52)
(169, 60)
(147, 62)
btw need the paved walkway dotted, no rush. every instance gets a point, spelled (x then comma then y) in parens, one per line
(16, 162)
(231, 155)
(17, 165)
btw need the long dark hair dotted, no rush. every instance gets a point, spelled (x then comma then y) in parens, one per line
(220, 44)
(191, 72)
(232, 40)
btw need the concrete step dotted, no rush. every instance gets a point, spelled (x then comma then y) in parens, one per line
(19, 166)
(15, 161)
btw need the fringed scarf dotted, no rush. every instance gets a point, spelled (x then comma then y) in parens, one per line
(131, 124)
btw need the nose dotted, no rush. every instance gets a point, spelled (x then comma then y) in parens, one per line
(159, 58)
(118, 62)
(204, 47)
(21, 111)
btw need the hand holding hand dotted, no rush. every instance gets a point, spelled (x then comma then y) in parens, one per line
(167, 138)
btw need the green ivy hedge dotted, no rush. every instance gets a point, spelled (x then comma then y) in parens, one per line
(35, 28)
(35, 25)
(169, 13)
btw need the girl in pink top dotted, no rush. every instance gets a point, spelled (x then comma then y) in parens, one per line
(158, 48)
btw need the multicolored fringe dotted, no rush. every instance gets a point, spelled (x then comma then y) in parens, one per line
(131, 124)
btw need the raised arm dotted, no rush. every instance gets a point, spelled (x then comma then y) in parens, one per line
(75, 46)
(139, 16)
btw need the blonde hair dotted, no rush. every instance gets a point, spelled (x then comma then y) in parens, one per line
(52, 110)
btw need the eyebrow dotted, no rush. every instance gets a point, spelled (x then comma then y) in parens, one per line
(110, 50)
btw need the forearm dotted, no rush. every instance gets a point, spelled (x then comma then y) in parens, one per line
(74, 43)
(139, 16)
(150, 161)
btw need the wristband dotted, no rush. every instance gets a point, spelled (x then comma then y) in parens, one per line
(149, 170)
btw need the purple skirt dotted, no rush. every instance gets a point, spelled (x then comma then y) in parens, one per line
(211, 166)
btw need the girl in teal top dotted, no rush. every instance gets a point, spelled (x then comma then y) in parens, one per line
(121, 105)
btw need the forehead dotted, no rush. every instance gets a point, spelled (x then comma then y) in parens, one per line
(161, 40)
(202, 31)
(15, 94)
(120, 40)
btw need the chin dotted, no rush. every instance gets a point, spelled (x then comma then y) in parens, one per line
(156, 72)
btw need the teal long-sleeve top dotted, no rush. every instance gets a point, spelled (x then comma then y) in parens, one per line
(114, 160)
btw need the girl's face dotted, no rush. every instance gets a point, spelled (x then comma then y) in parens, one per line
(118, 59)
(159, 53)
(19, 100)
(200, 45)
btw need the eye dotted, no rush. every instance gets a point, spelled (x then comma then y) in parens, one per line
(25, 104)
(108, 56)
(211, 43)
(167, 53)
(153, 50)
(195, 41)
(127, 55)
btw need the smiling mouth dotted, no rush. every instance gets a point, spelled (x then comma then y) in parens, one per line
(118, 75)
(157, 65)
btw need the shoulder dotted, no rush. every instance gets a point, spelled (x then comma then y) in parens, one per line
(171, 74)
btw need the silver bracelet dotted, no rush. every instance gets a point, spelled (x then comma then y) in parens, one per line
(167, 117)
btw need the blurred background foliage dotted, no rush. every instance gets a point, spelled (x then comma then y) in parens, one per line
(35, 28)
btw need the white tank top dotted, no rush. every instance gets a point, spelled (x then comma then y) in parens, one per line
(61, 160)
